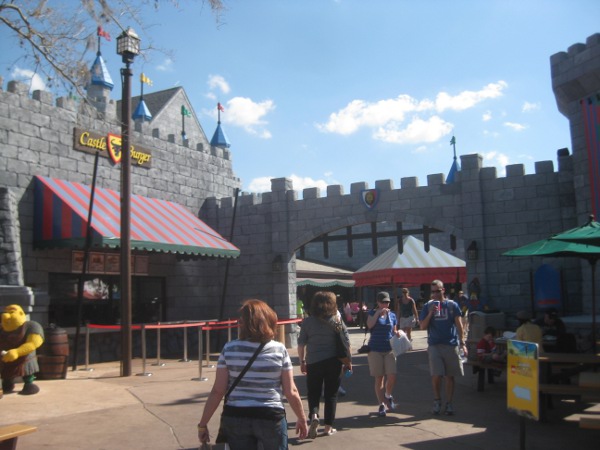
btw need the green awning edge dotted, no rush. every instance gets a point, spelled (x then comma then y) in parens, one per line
(79, 243)
(316, 283)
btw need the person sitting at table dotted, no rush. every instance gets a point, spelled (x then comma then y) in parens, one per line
(554, 333)
(528, 331)
(486, 348)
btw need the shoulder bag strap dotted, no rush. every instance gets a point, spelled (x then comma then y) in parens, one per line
(243, 372)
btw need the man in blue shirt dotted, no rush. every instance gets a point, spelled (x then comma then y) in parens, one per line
(441, 318)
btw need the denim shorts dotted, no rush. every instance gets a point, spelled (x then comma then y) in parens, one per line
(245, 434)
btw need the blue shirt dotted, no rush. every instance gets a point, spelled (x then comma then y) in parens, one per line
(381, 333)
(442, 329)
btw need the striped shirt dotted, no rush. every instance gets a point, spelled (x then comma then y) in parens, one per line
(261, 384)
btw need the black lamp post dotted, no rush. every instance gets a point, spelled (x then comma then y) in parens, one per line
(128, 46)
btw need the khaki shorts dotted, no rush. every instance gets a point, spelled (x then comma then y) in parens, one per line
(444, 361)
(381, 363)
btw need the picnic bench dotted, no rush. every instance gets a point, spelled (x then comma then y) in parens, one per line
(10, 433)
(589, 422)
(480, 368)
(587, 387)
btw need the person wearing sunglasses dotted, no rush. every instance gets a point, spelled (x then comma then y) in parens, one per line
(382, 324)
(442, 318)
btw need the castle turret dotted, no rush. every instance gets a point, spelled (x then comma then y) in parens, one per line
(219, 139)
(100, 85)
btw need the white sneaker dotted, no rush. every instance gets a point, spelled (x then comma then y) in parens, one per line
(389, 402)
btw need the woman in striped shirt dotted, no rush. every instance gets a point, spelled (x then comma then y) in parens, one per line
(254, 415)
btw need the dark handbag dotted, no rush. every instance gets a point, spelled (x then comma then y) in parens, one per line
(342, 351)
(364, 348)
(222, 435)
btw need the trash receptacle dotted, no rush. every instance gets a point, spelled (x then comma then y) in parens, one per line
(54, 354)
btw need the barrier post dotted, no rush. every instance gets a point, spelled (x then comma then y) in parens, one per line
(158, 363)
(281, 330)
(208, 349)
(144, 373)
(185, 350)
(229, 331)
(87, 349)
(200, 377)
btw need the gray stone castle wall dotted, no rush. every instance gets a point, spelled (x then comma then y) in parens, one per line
(36, 138)
(497, 213)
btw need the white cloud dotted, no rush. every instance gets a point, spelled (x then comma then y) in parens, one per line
(301, 183)
(36, 83)
(497, 159)
(263, 184)
(515, 126)
(165, 66)
(218, 82)
(417, 131)
(359, 113)
(487, 116)
(248, 114)
(388, 117)
(528, 107)
(468, 99)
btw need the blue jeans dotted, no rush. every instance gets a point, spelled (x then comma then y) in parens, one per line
(246, 434)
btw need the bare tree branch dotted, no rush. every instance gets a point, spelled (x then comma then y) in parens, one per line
(55, 40)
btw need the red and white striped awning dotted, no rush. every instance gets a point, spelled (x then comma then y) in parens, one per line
(413, 267)
(61, 212)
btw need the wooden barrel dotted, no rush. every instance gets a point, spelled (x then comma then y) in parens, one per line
(56, 342)
(52, 367)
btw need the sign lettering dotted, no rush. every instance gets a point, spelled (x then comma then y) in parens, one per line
(109, 146)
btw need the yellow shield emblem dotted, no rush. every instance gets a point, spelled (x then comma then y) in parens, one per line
(114, 147)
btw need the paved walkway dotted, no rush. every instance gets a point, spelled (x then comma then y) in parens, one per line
(101, 410)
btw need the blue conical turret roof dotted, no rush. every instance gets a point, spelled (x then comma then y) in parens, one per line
(219, 139)
(100, 74)
(142, 111)
(453, 170)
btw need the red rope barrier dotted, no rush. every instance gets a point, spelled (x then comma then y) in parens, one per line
(206, 325)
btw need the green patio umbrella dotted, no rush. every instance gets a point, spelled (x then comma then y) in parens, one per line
(556, 247)
(586, 234)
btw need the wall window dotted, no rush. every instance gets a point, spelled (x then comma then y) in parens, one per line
(101, 302)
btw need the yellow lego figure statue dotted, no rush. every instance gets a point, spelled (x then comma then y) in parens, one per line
(19, 338)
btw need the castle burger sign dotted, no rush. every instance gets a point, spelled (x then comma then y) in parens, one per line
(109, 146)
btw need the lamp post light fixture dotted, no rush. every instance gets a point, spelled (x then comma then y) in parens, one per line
(128, 46)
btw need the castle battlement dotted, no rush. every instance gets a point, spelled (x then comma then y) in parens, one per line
(471, 167)
(576, 73)
(87, 112)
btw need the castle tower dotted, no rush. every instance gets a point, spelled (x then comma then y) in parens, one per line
(219, 139)
(575, 80)
(100, 86)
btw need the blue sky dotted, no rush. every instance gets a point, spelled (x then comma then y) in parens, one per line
(342, 91)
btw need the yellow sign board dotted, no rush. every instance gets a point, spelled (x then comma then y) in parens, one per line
(523, 379)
